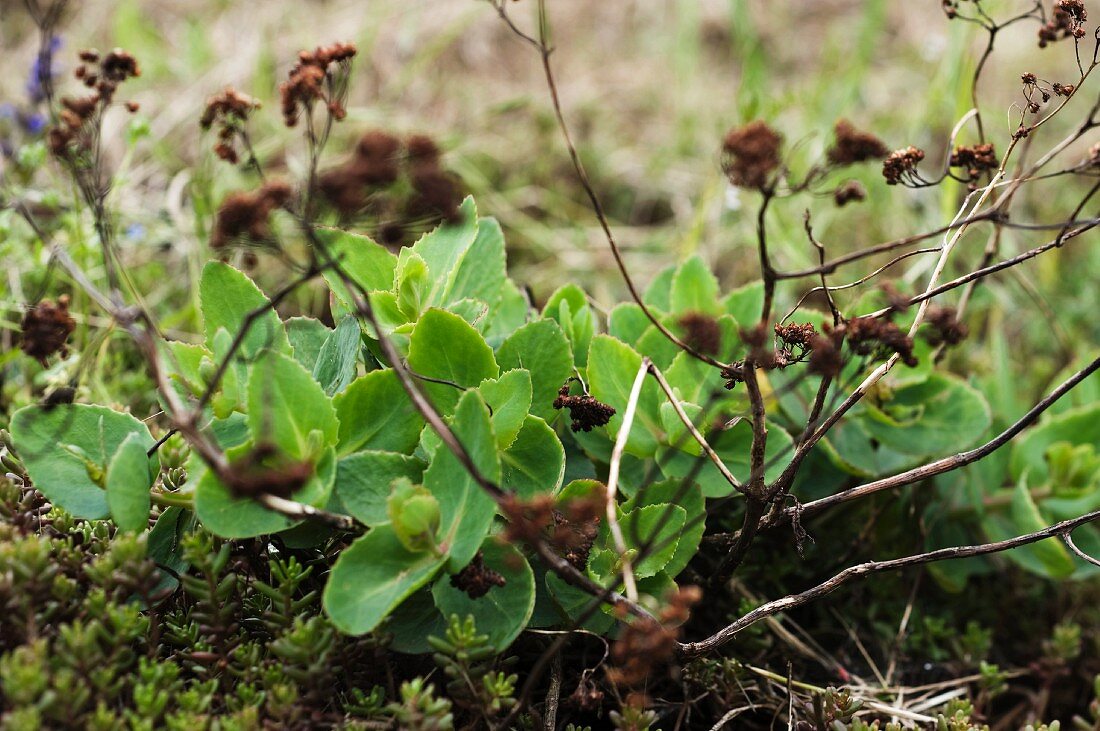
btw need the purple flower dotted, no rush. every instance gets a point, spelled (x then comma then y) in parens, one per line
(42, 71)
(34, 123)
(135, 231)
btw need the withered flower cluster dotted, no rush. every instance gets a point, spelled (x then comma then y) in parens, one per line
(794, 342)
(751, 155)
(378, 161)
(264, 471)
(850, 192)
(476, 579)
(318, 76)
(102, 75)
(587, 413)
(245, 214)
(230, 110)
(975, 160)
(878, 337)
(570, 527)
(646, 645)
(701, 332)
(943, 327)
(46, 328)
(1067, 20)
(900, 166)
(853, 146)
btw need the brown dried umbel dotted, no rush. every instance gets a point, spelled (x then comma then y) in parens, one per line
(319, 75)
(1067, 20)
(587, 413)
(975, 158)
(850, 192)
(570, 527)
(477, 578)
(942, 326)
(648, 644)
(853, 146)
(263, 471)
(826, 358)
(751, 155)
(245, 215)
(794, 342)
(376, 164)
(876, 337)
(701, 332)
(103, 75)
(46, 328)
(900, 166)
(230, 110)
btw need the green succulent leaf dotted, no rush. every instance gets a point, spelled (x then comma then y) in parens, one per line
(66, 450)
(445, 347)
(288, 408)
(541, 348)
(694, 288)
(372, 577)
(535, 462)
(307, 336)
(364, 479)
(466, 509)
(129, 477)
(228, 298)
(230, 516)
(369, 265)
(611, 372)
(414, 515)
(339, 357)
(375, 413)
(509, 398)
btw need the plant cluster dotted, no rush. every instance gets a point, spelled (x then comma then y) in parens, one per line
(326, 507)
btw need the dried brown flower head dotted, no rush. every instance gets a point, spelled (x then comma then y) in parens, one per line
(751, 154)
(943, 327)
(313, 79)
(975, 158)
(646, 645)
(849, 192)
(45, 329)
(264, 471)
(245, 215)
(826, 358)
(701, 332)
(422, 150)
(1067, 20)
(900, 166)
(436, 193)
(587, 413)
(476, 579)
(853, 146)
(876, 337)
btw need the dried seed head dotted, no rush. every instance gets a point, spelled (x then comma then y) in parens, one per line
(853, 146)
(46, 328)
(701, 332)
(876, 337)
(587, 413)
(850, 192)
(942, 326)
(245, 215)
(751, 154)
(900, 166)
(1067, 20)
(476, 579)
